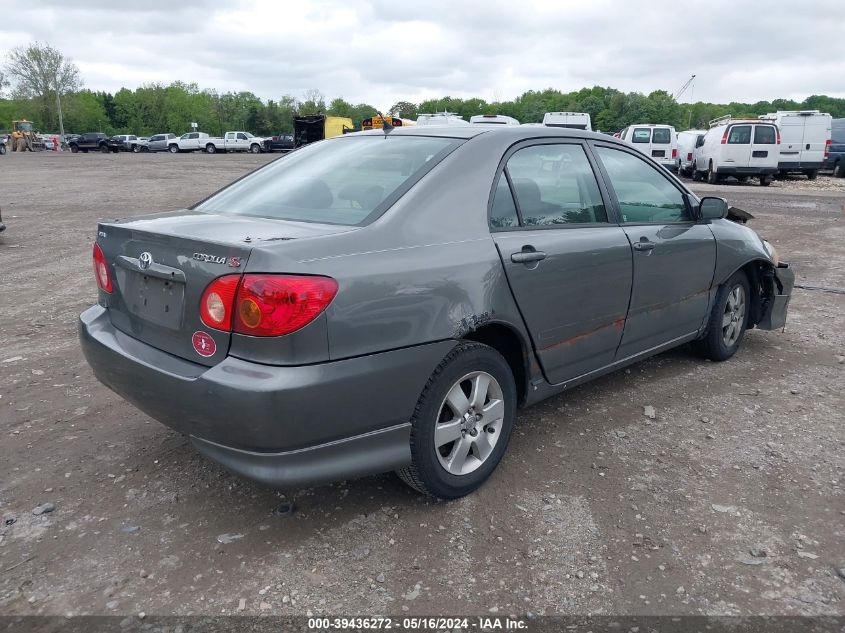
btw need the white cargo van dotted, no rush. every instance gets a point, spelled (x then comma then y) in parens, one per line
(574, 120)
(804, 135)
(492, 119)
(686, 150)
(657, 141)
(440, 118)
(738, 147)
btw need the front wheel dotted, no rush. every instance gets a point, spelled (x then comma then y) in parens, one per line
(728, 319)
(145, 148)
(765, 181)
(254, 148)
(104, 149)
(174, 149)
(462, 423)
(2, 148)
(136, 149)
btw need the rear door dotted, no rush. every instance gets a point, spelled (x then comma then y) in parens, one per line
(817, 132)
(641, 139)
(568, 265)
(673, 256)
(736, 150)
(791, 140)
(662, 143)
(764, 148)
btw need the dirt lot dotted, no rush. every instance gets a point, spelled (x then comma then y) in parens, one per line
(730, 501)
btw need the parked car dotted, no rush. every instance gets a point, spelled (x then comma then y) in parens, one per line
(687, 141)
(573, 120)
(492, 119)
(188, 142)
(159, 142)
(658, 141)
(129, 142)
(281, 142)
(96, 141)
(237, 141)
(384, 302)
(742, 148)
(804, 140)
(836, 153)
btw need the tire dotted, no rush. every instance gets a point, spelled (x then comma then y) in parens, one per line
(174, 149)
(712, 178)
(2, 148)
(136, 149)
(742, 179)
(104, 149)
(210, 148)
(720, 342)
(696, 175)
(812, 174)
(839, 170)
(144, 148)
(436, 471)
(765, 181)
(255, 148)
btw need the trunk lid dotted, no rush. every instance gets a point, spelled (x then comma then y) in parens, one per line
(162, 264)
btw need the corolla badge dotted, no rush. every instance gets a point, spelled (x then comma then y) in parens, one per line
(145, 260)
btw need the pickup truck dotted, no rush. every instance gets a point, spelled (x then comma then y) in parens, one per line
(91, 141)
(237, 141)
(189, 142)
(280, 143)
(129, 142)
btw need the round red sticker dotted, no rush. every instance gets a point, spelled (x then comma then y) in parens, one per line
(204, 344)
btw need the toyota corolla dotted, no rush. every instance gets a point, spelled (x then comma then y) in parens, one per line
(385, 301)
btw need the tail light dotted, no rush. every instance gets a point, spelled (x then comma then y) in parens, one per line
(101, 269)
(725, 136)
(265, 305)
(674, 153)
(777, 136)
(827, 149)
(689, 156)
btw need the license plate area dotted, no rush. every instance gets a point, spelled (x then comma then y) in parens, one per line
(658, 153)
(759, 154)
(152, 299)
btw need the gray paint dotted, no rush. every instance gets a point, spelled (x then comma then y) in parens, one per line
(425, 273)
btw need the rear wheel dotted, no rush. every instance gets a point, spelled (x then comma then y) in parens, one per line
(462, 423)
(174, 149)
(712, 178)
(812, 174)
(728, 319)
(839, 170)
(2, 148)
(765, 181)
(210, 148)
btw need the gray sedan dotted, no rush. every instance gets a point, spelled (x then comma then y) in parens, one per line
(380, 302)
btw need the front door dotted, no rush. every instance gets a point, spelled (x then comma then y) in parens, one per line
(674, 257)
(569, 268)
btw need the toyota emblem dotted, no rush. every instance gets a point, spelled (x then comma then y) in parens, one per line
(145, 261)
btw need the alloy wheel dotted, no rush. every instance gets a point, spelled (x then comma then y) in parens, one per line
(733, 316)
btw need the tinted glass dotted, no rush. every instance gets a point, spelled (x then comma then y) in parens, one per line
(739, 135)
(644, 194)
(641, 135)
(241, 136)
(503, 212)
(764, 134)
(555, 184)
(339, 181)
(661, 135)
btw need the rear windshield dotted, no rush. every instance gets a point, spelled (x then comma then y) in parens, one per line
(661, 135)
(739, 135)
(347, 181)
(764, 134)
(641, 135)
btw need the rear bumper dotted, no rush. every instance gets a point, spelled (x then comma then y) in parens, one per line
(283, 426)
(774, 318)
(800, 166)
(746, 171)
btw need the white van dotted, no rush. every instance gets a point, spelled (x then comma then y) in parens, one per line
(686, 150)
(574, 120)
(440, 118)
(658, 141)
(492, 119)
(804, 135)
(738, 147)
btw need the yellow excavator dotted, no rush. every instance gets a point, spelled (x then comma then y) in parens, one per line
(24, 138)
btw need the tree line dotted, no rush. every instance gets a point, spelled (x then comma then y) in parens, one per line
(37, 74)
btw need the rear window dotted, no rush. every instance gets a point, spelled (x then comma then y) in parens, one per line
(739, 135)
(641, 135)
(661, 135)
(347, 181)
(764, 135)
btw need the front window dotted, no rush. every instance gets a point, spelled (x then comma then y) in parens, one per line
(347, 181)
(641, 135)
(739, 135)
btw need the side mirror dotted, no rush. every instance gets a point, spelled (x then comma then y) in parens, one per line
(712, 208)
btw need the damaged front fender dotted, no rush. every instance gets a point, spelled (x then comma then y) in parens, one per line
(776, 290)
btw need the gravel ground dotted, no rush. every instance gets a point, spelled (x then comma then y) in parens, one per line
(729, 501)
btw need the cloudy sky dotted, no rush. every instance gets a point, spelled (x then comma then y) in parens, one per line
(380, 51)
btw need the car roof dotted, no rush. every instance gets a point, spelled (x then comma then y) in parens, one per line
(515, 132)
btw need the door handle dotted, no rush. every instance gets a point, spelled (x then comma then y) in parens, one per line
(644, 245)
(526, 257)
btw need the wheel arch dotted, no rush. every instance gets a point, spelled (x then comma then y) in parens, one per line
(760, 274)
(506, 340)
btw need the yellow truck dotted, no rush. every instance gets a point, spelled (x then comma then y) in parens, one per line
(24, 137)
(315, 127)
